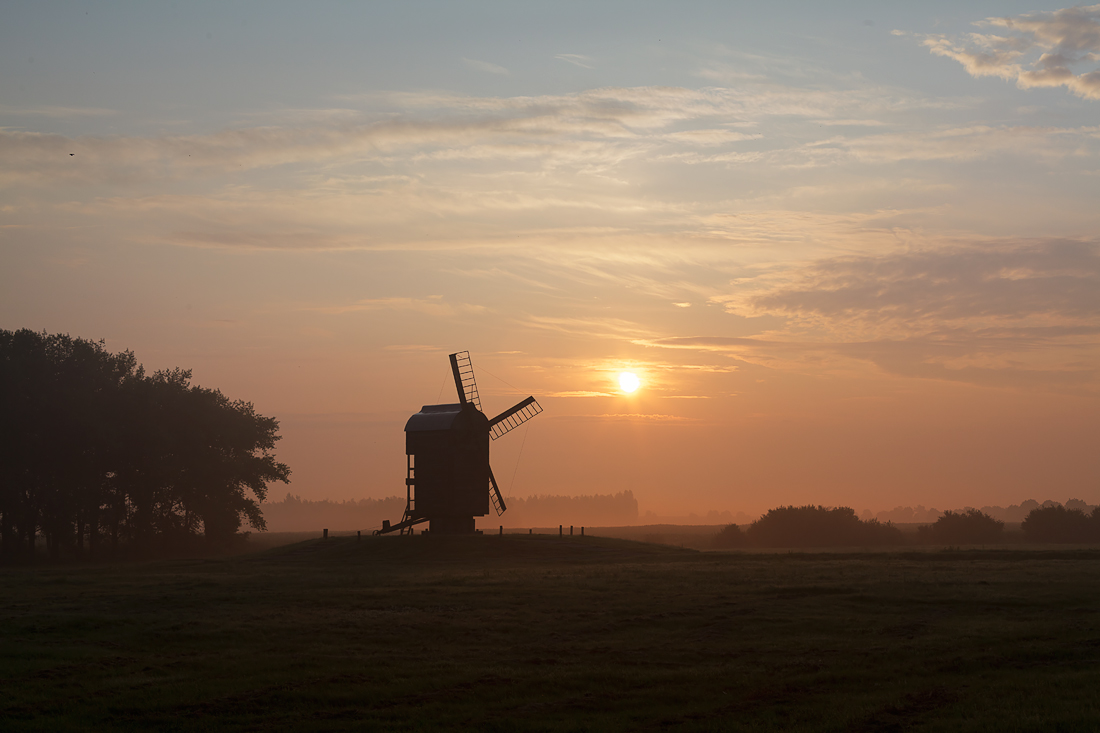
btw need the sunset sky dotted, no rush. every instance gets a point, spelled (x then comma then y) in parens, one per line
(851, 250)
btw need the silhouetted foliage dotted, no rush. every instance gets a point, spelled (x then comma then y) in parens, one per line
(968, 527)
(729, 537)
(1059, 524)
(817, 526)
(92, 450)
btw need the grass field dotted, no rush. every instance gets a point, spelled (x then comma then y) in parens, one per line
(548, 633)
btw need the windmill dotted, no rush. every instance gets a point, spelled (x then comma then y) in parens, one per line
(448, 479)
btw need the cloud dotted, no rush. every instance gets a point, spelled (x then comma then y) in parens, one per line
(1005, 314)
(710, 137)
(486, 67)
(576, 59)
(851, 123)
(595, 129)
(1056, 281)
(605, 328)
(1041, 50)
(963, 143)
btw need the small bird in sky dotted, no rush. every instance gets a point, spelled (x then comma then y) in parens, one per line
(72, 153)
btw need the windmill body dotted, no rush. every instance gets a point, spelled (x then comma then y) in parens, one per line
(448, 478)
(447, 448)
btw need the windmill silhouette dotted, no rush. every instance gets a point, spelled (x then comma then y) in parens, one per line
(448, 479)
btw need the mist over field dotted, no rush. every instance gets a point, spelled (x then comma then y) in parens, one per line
(294, 514)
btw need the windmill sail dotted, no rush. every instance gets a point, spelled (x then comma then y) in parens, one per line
(463, 369)
(511, 419)
(495, 495)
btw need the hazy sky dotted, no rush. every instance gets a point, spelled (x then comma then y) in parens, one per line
(851, 249)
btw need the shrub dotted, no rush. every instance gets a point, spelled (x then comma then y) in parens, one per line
(730, 536)
(970, 527)
(1058, 524)
(817, 526)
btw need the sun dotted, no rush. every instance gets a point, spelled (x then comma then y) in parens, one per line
(628, 381)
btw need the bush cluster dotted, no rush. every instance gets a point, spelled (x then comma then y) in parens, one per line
(810, 526)
(968, 527)
(1059, 524)
(817, 526)
(94, 452)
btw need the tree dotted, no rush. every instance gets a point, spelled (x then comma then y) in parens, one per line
(817, 526)
(90, 445)
(1059, 524)
(54, 392)
(730, 536)
(969, 527)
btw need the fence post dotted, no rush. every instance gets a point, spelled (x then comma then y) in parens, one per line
(582, 531)
(359, 534)
(559, 530)
(325, 537)
(502, 530)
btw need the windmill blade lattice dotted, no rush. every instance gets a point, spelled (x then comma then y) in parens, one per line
(495, 495)
(509, 420)
(463, 369)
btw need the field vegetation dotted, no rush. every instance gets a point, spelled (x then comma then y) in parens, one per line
(544, 633)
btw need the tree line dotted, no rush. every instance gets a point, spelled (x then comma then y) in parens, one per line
(818, 526)
(96, 455)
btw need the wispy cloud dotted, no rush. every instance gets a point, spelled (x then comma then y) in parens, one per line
(601, 125)
(1042, 49)
(576, 59)
(999, 314)
(711, 137)
(1038, 283)
(486, 67)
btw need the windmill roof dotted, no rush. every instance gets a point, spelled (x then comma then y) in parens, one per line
(442, 417)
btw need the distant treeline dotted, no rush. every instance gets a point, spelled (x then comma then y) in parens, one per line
(593, 510)
(95, 453)
(1013, 513)
(818, 526)
(295, 514)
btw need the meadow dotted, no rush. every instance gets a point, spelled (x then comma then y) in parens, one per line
(543, 633)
